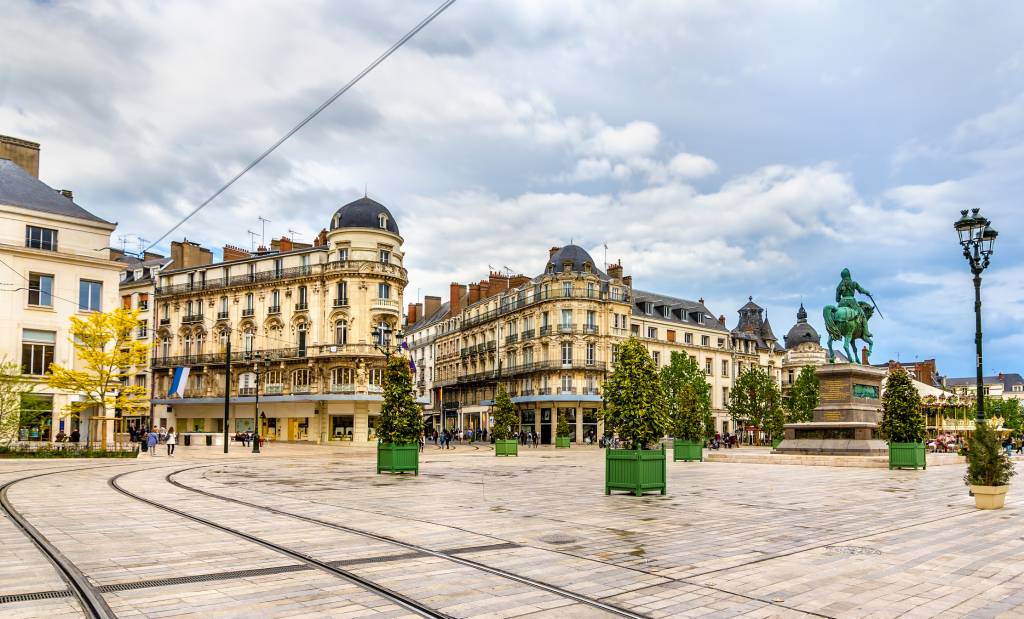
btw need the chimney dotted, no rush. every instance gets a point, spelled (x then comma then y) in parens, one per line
(627, 281)
(721, 319)
(230, 253)
(455, 291)
(23, 153)
(474, 293)
(185, 254)
(419, 312)
(615, 271)
(411, 317)
(701, 300)
(321, 239)
(485, 289)
(431, 305)
(552, 252)
(283, 244)
(497, 283)
(518, 280)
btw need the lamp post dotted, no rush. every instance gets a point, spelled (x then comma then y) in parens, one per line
(383, 343)
(976, 239)
(257, 357)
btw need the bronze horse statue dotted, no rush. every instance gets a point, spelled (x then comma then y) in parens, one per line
(846, 324)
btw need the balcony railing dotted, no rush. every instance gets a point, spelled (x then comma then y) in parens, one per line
(192, 318)
(527, 334)
(566, 328)
(274, 389)
(512, 305)
(545, 330)
(512, 339)
(165, 322)
(341, 302)
(386, 304)
(249, 312)
(301, 307)
(247, 391)
(342, 388)
(274, 309)
(236, 280)
(588, 328)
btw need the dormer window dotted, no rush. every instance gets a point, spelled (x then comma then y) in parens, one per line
(648, 307)
(551, 268)
(668, 312)
(382, 221)
(124, 275)
(700, 319)
(138, 273)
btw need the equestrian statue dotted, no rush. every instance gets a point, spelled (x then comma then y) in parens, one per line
(849, 321)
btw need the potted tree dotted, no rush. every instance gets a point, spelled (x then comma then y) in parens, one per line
(989, 469)
(562, 432)
(635, 410)
(401, 421)
(688, 397)
(902, 421)
(505, 421)
(756, 400)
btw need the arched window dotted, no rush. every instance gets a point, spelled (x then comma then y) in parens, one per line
(199, 343)
(300, 380)
(341, 332)
(248, 339)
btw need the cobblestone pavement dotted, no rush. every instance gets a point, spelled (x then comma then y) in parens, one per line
(729, 539)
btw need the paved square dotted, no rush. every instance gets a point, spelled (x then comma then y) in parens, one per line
(479, 536)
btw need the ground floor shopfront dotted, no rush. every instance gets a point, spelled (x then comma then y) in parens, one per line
(329, 418)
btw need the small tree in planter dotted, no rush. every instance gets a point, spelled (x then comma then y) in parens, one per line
(635, 409)
(562, 432)
(902, 421)
(401, 421)
(688, 397)
(989, 469)
(505, 421)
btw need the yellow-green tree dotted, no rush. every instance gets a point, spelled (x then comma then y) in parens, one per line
(13, 389)
(106, 349)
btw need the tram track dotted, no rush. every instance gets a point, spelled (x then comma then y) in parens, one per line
(398, 599)
(416, 548)
(89, 596)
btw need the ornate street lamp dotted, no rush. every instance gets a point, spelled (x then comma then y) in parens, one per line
(383, 343)
(257, 357)
(977, 238)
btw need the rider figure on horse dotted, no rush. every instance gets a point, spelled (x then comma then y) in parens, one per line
(844, 296)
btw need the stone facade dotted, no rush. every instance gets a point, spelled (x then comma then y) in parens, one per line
(315, 312)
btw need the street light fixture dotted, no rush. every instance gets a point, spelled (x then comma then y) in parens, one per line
(977, 237)
(257, 357)
(383, 343)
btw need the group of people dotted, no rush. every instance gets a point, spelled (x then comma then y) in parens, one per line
(728, 441)
(444, 438)
(151, 438)
(946, 443)
(74, 437)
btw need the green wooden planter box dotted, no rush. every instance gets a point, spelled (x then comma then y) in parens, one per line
(776, 442)
(638, 471)
(562, 442)
(508, 447)
(907, 456)
(687, 451)
(393, 458)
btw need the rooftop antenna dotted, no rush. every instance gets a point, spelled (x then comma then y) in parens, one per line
(606, 254)
(142, 245)
(252, 239)
(364, 189)
(293, 234)
(263, 230)
(122, 239)
(508, 271)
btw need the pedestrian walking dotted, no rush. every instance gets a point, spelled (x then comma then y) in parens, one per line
(172, 440)
(536, 439)
(151, 440)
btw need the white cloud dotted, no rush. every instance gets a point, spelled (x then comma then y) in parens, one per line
(688, 165)
(635, 139)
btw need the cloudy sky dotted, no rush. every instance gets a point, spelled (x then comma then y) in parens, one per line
(720, 149)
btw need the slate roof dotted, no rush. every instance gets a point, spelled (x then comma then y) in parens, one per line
(363, 213)
(133, 263)
(19, 188)
(677, 307)
(802, 331)
(971, 381)
(754, 327)
(434, 318)
(578, 256)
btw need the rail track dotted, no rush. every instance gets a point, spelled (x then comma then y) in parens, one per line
(576, 597)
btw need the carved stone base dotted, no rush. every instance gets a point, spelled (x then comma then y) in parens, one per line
(850, 438)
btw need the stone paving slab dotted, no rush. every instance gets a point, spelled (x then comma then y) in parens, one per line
(729, 539)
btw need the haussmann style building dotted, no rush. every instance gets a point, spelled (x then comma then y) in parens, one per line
(304, 322)
(552, 341)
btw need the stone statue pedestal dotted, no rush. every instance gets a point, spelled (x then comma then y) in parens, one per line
(846, 421)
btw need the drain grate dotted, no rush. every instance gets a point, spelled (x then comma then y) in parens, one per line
(852, 550)
(380, 559)
(35, 595)
(484, 548)
(182, 580)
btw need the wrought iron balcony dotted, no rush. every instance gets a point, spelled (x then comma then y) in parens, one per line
(249, 312)
(222, 315)
(343, 302)
(301, 307)
(192, 318)
(274, 309)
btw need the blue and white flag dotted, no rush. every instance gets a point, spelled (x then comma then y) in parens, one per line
(178, 382)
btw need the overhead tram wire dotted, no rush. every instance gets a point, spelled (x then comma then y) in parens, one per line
(402, 41)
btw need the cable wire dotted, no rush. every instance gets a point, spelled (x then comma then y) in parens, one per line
(311, 116)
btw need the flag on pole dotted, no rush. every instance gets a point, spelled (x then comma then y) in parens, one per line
(178, 382)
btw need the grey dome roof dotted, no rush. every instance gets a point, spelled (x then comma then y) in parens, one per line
(578, 256)
(802, 331)
(363, 213)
